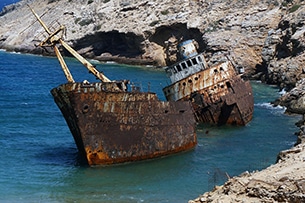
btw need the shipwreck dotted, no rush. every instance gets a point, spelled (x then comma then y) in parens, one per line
(114, 123)
(219, 95)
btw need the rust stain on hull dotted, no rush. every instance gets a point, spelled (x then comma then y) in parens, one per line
(114, 127)
(218, 95)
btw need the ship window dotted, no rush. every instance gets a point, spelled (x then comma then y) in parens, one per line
(178, 68)
(194, 61)
(199, 59)
(221, 69)
(196, 78)
(190, 81)
(174, 70)
(184, 66)
(184, 84)
(230, 87)
(215, 70)
(189, 63)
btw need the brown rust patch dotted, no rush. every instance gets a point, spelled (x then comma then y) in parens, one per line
(95, 156)
(115, 127)
(218, 95)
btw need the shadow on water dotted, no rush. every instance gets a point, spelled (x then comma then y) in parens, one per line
(60, 155)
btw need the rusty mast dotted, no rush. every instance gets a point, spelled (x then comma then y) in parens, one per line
(53, 39)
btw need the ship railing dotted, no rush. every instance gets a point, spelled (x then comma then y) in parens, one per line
(53, 26)
(185, 68)
(138, 87)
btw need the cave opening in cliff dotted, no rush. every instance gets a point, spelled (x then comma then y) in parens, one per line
(113, 43)
(181, 32)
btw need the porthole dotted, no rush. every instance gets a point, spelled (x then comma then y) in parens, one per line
(85, 108)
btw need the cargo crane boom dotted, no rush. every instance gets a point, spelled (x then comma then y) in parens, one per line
(53, 39)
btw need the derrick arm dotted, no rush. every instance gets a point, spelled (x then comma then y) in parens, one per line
(86, 63)
(63, 65)
(53, 39)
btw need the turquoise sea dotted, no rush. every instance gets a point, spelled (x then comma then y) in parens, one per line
(39, 160)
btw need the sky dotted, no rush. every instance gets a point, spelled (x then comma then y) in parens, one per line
(6, 2)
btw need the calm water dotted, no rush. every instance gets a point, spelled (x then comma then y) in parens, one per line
(39, 160)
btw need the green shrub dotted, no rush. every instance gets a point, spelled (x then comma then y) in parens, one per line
(85, 22)
(98, 27)
(294, 8)
(154, 23)
(52, 1)
(165, 12)
(77, 20)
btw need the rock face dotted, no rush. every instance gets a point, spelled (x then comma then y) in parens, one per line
(140, 29)
(282, 182)
(107, 30)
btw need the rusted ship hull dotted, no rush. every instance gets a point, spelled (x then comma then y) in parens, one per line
(113, 126)
(218, 95)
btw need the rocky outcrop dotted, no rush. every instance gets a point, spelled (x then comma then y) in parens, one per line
(281, 182)
(294, 100)
(119, 30)
(283, 52)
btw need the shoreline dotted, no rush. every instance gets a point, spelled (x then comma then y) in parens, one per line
(283, 181)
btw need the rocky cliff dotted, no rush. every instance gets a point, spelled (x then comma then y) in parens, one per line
(137, 29)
